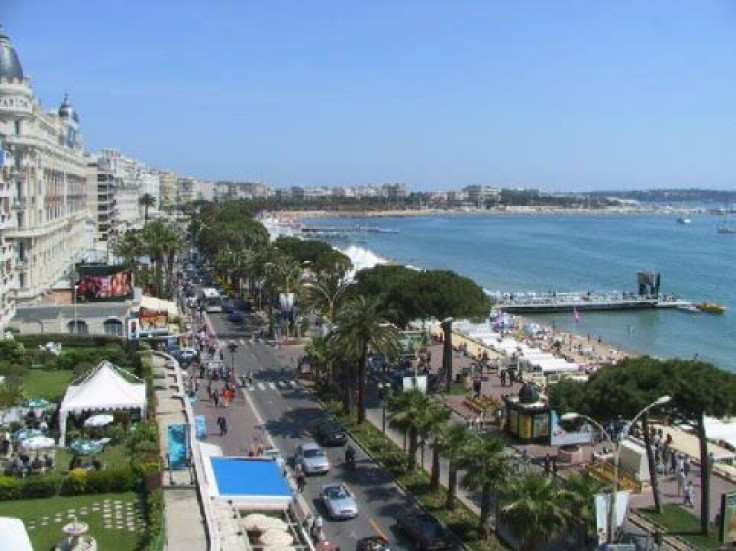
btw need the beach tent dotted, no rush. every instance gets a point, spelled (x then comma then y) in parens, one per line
(13, 534)
(104, 388)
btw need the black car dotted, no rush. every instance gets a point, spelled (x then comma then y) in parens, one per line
(227, 306)
(235, 316)
(372, 543)
(423, 529)
(330, 433)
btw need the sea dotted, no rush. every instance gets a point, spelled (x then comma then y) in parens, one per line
(577, 252)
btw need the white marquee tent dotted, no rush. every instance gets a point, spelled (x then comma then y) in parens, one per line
(14, 535)
(105, 388)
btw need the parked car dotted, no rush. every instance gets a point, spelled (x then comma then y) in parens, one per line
(373, 543)
(312, 457)
(424, 530)
(235, 316)
(339, 501)
(186, 355)
(329, 433)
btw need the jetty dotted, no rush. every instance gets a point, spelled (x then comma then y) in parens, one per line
(647, 297)
(322, 231)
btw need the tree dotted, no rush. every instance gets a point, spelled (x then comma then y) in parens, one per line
(406, 412)
(452, 444)
(361, 326)
(146, 201)
(581, 491)
(326, 294)
(446, 295)
(486, 468)
(534, 510)
(161, 243)
(431, 425)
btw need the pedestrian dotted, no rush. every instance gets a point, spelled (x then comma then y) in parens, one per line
(673, 463)
(317, 529)
(308, 523)
(216, 398)
(503, 377)
(686, 465)
(301, 480)
(689, 491)
(220, 423)
(681, 479)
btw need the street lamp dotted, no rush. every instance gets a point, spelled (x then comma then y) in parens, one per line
(232, 347)
(73, 278)
(383, 390)
(572, 416)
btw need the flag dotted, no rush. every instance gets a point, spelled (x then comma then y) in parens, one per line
(576, 315)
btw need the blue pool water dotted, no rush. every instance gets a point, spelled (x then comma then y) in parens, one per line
(249, 477)
(178, 446)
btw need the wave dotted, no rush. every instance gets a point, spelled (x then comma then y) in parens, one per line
(362, 258)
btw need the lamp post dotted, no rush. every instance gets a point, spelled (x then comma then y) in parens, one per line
(232, 347)
(383, 389)
(571, 416)
(73, 278)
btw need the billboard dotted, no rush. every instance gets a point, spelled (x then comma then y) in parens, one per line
(603, 511)
(727, 529)
(103, 283)
(153, 321)
(575, 432)
(412, 342)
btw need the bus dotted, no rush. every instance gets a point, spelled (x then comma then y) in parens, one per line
(210, 300)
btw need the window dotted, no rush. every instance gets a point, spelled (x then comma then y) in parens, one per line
(78, 327)
(113, 328)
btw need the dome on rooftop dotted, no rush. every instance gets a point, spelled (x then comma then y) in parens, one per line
(10, 66)
(66, 110)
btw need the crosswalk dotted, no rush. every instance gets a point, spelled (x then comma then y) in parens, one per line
(270, 385)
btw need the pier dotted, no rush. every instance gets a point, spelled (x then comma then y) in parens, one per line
(321, 231)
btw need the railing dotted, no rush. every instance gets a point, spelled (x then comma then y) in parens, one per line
(604, 470)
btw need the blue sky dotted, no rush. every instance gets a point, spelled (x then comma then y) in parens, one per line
(559, 95)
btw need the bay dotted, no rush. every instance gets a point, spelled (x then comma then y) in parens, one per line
(580, 252)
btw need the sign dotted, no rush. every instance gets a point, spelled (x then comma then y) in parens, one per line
(98, 283)
(15, 103)
(415, 383)
(133, 326)
(153, 321)
(727, 529)
(603, 513)
(575, 432)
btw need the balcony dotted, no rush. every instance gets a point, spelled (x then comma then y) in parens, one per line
(20, 203)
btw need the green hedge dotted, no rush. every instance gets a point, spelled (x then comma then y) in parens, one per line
(77, 482)
(153, 538)
(34, 340)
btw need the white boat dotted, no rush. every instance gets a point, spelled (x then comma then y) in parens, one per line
(689, 308)
(683, 220)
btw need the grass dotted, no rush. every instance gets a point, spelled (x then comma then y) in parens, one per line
(32, 511)
(111, 457)
(677, 521)
(48, 384)
(462, 521)
(458, 389)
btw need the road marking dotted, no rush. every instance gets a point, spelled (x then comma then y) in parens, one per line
(261, 386)
(272, 385)
(251, 388)
(377, 528)
(294, 384)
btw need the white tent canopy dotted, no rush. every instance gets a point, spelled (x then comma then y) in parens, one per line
(102, 389)
(14, 535)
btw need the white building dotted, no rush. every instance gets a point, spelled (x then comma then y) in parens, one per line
(128, 187)
(42, 188)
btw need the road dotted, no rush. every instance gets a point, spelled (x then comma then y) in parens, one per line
(289, 413)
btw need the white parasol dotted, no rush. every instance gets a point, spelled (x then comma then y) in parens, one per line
(100, 420)
(273, 523)
(252, 522)
(276, 538)
(38, 443)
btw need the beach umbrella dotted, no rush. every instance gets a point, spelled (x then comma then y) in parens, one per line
(38, 443)
(276, 538)
(252, 521)
(100, 420)
(25, 434)
(37, 403)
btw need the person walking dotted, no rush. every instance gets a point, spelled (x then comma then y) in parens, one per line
(224, 425)
(689, 494)
(681, 480)
(301, 480)
(686, 465)
(673, 462)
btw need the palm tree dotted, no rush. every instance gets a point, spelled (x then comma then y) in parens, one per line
(326, 294)
(362, 326)
(432, 425)
(452, 444)
(161, 243)
(146, 201)
(486, 467)
(534, 509)
(582, 489)
(407, 411)
(284, 274)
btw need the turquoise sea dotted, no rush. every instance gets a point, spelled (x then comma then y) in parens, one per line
(580, 253)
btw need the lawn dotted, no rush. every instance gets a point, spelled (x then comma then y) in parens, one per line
(677, 521)
(49, 384)
(111, 457)
(115, 520)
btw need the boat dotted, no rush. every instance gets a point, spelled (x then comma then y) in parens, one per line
(725, 228)
(683, 220)
(710, 307)
(689, 308)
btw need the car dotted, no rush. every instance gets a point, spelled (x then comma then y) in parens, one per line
(339, 501)
(227, 306)
(235, 316)
(373, 543)
(312, 458)
(186, 355)
(424, 530)
(329, 433)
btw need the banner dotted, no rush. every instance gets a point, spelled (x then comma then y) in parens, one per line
(412, 342)
(727, 529)
(603, 513)
(415, 383)
(103, 284)
(153, 320)
(576, 432)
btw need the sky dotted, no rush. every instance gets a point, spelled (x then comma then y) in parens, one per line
(557, 95)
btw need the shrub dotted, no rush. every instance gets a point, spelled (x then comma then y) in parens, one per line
(154, 520)
(40, 486)
(75, 483)
(121, 479)
(9, 488)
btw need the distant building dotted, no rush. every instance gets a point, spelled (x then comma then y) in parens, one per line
(168, 185)
(229, 191)
(42, 188)
(479, 195)
(187, 191)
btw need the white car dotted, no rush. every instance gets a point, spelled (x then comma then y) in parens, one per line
(339, 501)
(312, 458)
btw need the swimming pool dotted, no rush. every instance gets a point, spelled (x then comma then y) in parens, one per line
(249, 481)
(178, 436)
